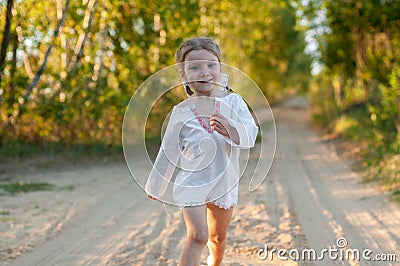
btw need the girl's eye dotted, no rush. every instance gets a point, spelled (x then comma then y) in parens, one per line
(212, 65)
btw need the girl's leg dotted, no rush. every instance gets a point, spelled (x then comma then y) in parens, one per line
(196, 235)
(218, 221)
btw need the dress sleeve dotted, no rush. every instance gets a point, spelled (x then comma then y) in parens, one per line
(166, 160)
(243, 122)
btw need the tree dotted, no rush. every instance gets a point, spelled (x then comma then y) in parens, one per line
(6, 37)
(71, 74)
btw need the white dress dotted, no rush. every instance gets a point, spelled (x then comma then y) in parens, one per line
(208, 163)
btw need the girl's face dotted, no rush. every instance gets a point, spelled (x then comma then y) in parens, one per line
(202, 70)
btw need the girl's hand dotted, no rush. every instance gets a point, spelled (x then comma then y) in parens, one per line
(219, 123)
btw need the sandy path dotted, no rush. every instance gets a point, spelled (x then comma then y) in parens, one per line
(98, 216)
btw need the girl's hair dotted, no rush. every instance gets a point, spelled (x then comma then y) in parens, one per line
(199, 43)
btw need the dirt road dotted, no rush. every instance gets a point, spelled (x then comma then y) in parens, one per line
(97, 215)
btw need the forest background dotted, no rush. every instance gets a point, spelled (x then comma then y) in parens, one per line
(68, 68)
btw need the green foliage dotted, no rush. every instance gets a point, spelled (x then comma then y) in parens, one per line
(106, 49)
(22, 187)
(358, 94)
(396, 195)
(384, 109)
(13, 149)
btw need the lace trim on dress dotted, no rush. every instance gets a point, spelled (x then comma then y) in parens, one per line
(224, 205)
(220, 204)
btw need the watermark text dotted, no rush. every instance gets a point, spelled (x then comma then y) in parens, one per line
(340, 252)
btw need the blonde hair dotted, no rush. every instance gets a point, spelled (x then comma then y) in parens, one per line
(199, 43)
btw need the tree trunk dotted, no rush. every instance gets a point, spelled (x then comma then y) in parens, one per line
(62, 39)
(88, 19)
(73, 63)
(78, 52)
(6, 37)
(96, 82)
(11, 88)
(359, 35)
(27, 65)
(17, 113)
(9, 96)
(398, 108)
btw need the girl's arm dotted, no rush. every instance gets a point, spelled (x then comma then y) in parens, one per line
(166, 161)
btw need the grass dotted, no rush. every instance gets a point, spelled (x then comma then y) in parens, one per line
(376, 147)
(19, 149)
(396, 196)
(68, 187)
(387, 174)
(5, 217)
(24, 187)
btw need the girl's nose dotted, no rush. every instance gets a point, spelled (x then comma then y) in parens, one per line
(204, 71)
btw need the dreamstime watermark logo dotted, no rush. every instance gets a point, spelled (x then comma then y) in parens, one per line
(341, 252)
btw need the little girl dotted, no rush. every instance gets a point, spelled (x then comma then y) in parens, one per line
(205, 134)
